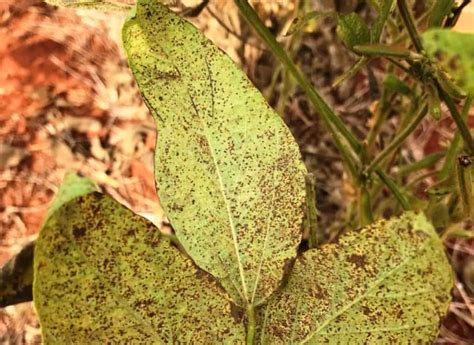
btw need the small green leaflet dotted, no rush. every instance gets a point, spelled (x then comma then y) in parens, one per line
(352, 30)
(228, 171)
(388, 284)
(454, 52)
(106, 275)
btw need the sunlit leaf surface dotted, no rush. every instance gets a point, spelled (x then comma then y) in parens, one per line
(388, 284)
(228, 170)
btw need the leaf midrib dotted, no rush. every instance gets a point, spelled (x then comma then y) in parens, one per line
(222, 188)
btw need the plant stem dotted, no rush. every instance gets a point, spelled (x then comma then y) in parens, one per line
(465, 186)
(361, 63)
(251, 324)
(394, 189)
(421, 164)
(320, 105)
(329, 118)
(454, 147)
(365, 209)
(410, 24)
(462, 127)
(312, 212)
(398, 140)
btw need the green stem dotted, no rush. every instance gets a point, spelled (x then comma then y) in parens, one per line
(462, 126)
(398, 140)
(426, 162)
(365, 210)
(320, 105)
(454, 147)
(312, 212)
(251, 324)
(329, 118)
(361, 63)
(410, 24)
(394, 189)
(465, 183)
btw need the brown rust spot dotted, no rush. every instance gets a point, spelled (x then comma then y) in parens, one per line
(237, 313)
(358, 260)
(78, 232)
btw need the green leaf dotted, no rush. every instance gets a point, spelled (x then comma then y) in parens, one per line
(303, 20)
(91, 4)
(352, 30)
(72, 187)
(106, 275)
(387, 284)
(228, 171)
(383, 7)
(393, 83)
(453, 51)
(439, 11)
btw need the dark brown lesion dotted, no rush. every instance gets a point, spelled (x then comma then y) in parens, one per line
(359, 260)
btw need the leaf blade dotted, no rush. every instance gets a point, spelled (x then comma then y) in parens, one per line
(103, 273)
(233, 174)
(336, 292)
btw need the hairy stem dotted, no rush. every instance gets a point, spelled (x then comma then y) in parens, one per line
(454, 147)
(460, 123)
(410, 24)
(394, 189)
(320, 105)
(399, 139)
(365, 209)
(329, 118)
(251, 324)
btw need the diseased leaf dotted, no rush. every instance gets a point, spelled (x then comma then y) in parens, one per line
(388, 284)
(352, 30)
(228, 171)
(16, 276)
(91, 4)
(453, 51)
(72, 187)
(106, 275)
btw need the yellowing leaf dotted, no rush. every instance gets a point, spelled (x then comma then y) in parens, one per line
(106, 275)
(388, 284)
(72, 187)
(228, 171)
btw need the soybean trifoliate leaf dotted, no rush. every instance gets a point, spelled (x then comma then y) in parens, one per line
(105, 275)
(453, 51)
(352, 30)
(228, 170)
(388, 284)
